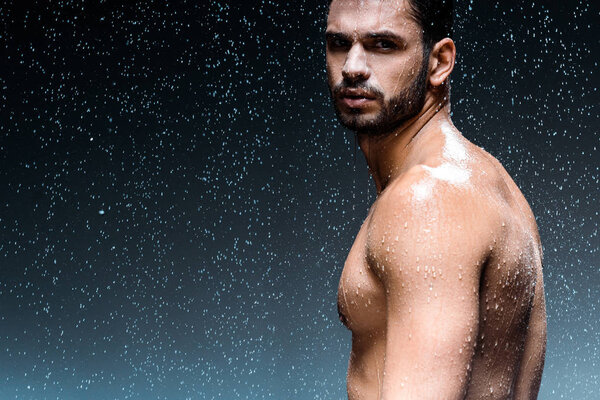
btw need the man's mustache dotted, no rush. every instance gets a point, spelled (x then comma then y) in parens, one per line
(339, 88)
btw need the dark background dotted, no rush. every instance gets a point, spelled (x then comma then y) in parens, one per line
(178, 199)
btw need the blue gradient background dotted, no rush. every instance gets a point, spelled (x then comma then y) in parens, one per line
(178, 199)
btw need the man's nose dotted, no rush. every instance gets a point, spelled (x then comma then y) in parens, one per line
(356, 68)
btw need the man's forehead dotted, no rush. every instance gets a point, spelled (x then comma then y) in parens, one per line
(370, 15)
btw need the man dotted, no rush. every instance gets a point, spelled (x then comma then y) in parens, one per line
(443, 288)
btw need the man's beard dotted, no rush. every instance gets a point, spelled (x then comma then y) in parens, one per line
(393, 112)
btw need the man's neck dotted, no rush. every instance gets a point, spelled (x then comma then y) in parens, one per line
(387, 155)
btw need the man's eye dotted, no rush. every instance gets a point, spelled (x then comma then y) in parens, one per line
(338, 43)
(385, 44)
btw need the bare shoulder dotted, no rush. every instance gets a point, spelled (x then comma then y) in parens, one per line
(448, 210)
(446, 192)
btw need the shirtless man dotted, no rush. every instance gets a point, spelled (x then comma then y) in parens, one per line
(443, 288)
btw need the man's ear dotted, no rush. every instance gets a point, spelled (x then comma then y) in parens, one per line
(441, 61)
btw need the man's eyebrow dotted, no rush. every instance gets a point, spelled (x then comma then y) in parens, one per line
(385, 35)
(330, 35)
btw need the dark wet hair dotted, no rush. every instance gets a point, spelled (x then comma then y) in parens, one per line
(436, 17)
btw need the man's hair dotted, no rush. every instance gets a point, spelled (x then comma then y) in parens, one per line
(435, 17)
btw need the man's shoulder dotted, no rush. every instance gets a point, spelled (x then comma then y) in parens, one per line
(445, 186)
(443, 205)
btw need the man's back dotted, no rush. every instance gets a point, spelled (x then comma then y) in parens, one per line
(443, 287)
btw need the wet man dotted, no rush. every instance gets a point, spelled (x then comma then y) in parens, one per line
(442, 288)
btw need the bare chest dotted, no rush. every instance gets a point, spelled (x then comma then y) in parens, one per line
(361, 296)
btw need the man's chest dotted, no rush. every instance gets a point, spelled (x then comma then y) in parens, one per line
(361, 296)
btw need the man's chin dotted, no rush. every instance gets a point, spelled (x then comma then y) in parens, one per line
(353, 116)
(359, 122)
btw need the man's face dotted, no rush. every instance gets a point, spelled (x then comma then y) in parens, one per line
(375, 67)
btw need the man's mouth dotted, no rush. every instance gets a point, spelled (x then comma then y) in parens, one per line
(357, 93)
(356, 98)
(356, 101)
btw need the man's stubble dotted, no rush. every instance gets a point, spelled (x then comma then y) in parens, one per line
(393, 112)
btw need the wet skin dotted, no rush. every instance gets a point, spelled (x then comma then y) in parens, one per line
(443, 287)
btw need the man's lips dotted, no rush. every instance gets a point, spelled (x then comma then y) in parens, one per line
(357, 93)
(356, 98)
(356, 102)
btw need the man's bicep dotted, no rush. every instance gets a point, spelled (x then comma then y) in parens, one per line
(429, 265)
(430, 336)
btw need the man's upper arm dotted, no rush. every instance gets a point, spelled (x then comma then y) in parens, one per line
(428, 251)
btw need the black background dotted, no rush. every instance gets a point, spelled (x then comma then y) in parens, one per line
(178, 199)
